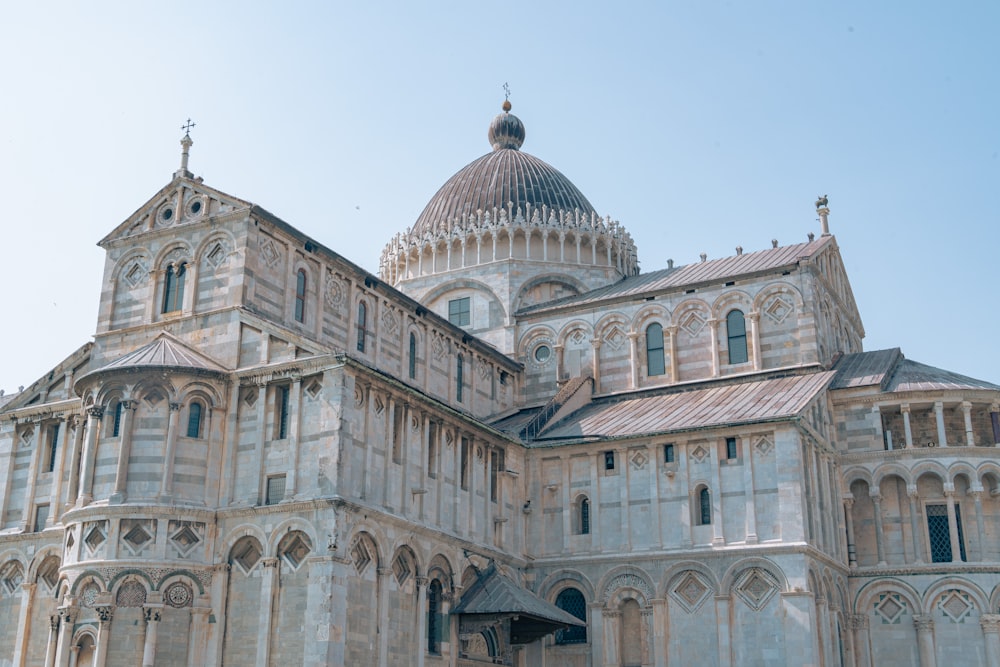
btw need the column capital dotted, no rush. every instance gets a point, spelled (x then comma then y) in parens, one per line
(904, 407)
(990, 623)
(753, 315)
(95, 411)
(270, 562)
(54, 621)
(175, 407)
(923, 622)
(848, 502)
(949, 489)
(911, 490)
(152, 613)
(966, 406)
(874, 494)
(27, 587)
(105, 613)
(422, 581)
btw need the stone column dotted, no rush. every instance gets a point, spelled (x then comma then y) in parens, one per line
(925, 639)
(86, 495)
(977, 498)
(197, 649)
(23, 624)
(68, 615)
(294, 419)
(421, 635)
(991, 633)
(256, 496)
(218, 592)
(124, 450)
(718, 537)
(949, 496)
(152, 616)
(724, 633)
(713, 328)
(633, 350)
(62, 437)
(74, 463)
(41, 437)
(879, 535)
(862, 648)
(596, 364)
(672, 332)
(660, 632)
(995, 423)
(907, 429)
(939, 418)
(649, 651)
(915, 533)
(560, 355)
(383, 615)
(970, 438)
(55, 620)
(104, 615)
(170, 450)
(754, 318)
(852, 550)
(270, 570)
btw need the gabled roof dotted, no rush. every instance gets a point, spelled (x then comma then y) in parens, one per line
(496, 595)
(692, 274)
(164, 352)
(722, 405)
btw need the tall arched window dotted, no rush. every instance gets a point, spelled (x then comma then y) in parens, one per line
(362, 325)
(300, 296)
(736, 330)
(654, 350)
(413, 356)
(116, 419)
(434, 619)
(173, 288)
(704, 507)
(571, 600)
(194, 420)
(459, 377)
(583, 519)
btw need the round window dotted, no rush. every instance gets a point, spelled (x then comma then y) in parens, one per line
(168, 213)
(196, 207)
(542, 353)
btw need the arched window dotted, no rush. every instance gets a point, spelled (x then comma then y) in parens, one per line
(116, 419)
(362, 325)
(571, 600)
(736, 330)
(704, 507)
(434, 620)
(300, 296)
(459, 377)
(583, 518)
(413, 356)
(654, 350)
(173, 288)
(194, 420)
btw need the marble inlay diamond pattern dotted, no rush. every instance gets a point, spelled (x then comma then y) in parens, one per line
(756, 588)
(956, 605)
(890, 608)
(690, 592)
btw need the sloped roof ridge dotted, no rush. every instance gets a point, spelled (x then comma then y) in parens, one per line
(165, 351)
(712, 270)
(495, 593)
(913, 375)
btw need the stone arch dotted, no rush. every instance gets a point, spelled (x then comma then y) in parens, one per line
(565, 578)
(207, 244)
(761, 301)
(477, 286)
(533, 335)
(287, 526)
(737, 569)
(610, 320)
(130, 588)
(236, 533)
(86, 577)
(995, 600)
(941, 586)
(405, 564)
(675, 572)
(893, 470)
(146, 386)
(625, 577)
(573, 326)
(930, 469)
(363, 549)
(12, 573)
(729, 300)
(200, 389)
(866, 595)
(45, 566)
(648, 314)
(440, 568)
(246, 552)
(133, 256)
(180, 589)
(988, 474)
(539, 281)
(963, 468)
(175, 251)
(855, 473)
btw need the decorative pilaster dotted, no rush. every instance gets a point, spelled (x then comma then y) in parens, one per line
(62, 437)
(915, 533)
(294, 419)
(879, 534)
(270, 571)
(949, 496)
(970, 438)
(104, 615)
(596, 364)
(421, 620)
(68, 614)
(633, 351)
(672, 333)
(939, 419)
(89, 461)
(74, 462)
(197, 649)
(862, 647)
(23, 624)
(612, 625)
(925, 639)
(990, 624)
(852, 550)
(713, 327)
(977, 499)
(754, 318)
(124, 450)
(55, 620)
(907, 429)
(151, 615)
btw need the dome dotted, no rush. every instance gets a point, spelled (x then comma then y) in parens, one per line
(503, 178)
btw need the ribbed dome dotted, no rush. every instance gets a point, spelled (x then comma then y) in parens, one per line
(496, 180)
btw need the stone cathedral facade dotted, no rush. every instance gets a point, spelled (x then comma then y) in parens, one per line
(510, 446)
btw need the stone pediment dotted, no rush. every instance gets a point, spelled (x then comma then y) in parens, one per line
(181, 201)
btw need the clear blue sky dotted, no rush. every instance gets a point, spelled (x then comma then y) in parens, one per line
(699, 125)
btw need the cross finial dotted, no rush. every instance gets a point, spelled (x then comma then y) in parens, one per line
(187, 127)
(506, 92)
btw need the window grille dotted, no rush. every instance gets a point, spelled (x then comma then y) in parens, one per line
(731, 453)
(434, 617)
(300, 296)
(362, 325)
(459, 379)
(50, 463)
(275, 490)
(194, 420)
(609, 460)
(571, 600)
(173, 288)
(413, 357)
(668, 453)
(459, 311)
(584, 516)
(937, 530)
(117, 424)
(282, 412)
(705, 507)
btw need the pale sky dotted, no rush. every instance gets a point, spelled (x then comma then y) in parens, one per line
(699, 125)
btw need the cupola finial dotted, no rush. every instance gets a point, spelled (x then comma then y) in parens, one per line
(186, 143)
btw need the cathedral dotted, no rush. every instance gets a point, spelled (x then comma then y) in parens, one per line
(507, 447)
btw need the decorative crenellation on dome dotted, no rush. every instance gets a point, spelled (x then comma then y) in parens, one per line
(570, 237)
